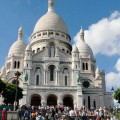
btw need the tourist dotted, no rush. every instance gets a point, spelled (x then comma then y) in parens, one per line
(4, 114)
(33, 115)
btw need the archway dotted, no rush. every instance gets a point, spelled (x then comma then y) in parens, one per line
(68, 101)
(52, 100)
(35, 100)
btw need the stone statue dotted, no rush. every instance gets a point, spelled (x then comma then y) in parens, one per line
(25, 76)
(78, 77)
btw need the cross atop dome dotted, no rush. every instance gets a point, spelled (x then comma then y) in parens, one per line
(50, 5)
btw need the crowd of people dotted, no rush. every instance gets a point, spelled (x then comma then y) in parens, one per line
(63, 113)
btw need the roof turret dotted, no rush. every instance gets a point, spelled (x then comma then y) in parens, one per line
(50, 5)
(82, 34)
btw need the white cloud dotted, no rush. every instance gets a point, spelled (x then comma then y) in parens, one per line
(104, 36)
(112, 80)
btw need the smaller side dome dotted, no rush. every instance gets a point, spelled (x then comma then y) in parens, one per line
(83, 47)
(74, 48)
(18, 47)
(28, 48)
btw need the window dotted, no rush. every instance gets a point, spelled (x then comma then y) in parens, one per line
(50, 33)
(57, 34)
(86, 66)
(15, 64)
(76, 66)
(94, 104)
(38, 50)
(45, 33)
(63, 35)
(51, 72)
(33, 51)
(83, 66)
(37, 75)
(65, 80)
(18, 65)
(39, 34)
(37, 80)
(66, 37)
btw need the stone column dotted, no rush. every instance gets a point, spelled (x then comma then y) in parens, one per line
(56, 81)
(45, 77)
(79, 95)
(59, 100)
(43, 101)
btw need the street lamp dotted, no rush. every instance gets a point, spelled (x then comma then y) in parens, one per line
(112, 89)
(17, 74)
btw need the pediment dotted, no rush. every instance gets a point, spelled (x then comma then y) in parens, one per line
(40, 55)
(99, 78)
(64, 55)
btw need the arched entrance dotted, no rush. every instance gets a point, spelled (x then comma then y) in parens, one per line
(52, 100)
(35, 100)
(68, 101)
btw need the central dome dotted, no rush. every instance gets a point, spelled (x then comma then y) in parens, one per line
(50, 21)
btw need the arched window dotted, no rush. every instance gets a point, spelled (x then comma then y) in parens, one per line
(65, 80)
(33, 51)
(37, 79)
(37, 76)
(83, 66)
(86, 66)
(52, 68)
(94, 104)
(76, 66)
(15, 64)
(38, 50)
(18, 65)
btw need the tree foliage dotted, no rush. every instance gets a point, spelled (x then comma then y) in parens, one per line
(9, 92)
(117, 95)
(2, 85)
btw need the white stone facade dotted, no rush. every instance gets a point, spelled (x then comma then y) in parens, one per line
(52, 64)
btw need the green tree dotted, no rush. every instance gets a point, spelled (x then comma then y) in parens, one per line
(2, 85)
(117, 95)
(9, 93)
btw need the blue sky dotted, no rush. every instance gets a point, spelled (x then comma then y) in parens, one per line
(100, 20)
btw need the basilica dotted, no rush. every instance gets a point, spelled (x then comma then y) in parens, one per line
(54, 72)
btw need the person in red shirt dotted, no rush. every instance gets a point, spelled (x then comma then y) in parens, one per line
(4, 114)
